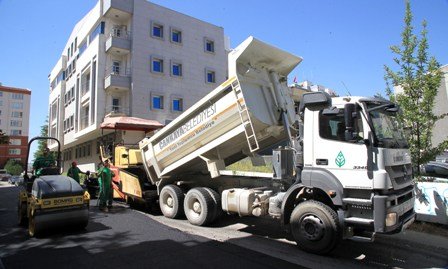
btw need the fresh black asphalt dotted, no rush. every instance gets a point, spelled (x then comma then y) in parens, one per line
(122, 238)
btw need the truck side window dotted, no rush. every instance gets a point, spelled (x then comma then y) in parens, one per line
(333, 126)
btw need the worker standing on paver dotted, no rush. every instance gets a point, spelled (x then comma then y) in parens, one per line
(74, 172)
(105, 183)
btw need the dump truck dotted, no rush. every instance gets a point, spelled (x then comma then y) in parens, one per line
(48, 199)
(341, 166)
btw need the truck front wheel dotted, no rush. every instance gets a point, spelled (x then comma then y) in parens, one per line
(315, 227)
(171, 200)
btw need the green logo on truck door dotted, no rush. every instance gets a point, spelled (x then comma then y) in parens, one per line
(340, 160)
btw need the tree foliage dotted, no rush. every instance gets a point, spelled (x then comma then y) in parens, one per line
(14, 167)
(4, 139)
(42, 144)
(419, 77)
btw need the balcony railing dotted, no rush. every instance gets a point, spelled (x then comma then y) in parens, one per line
(117, 110)
(118, 71)
(118, 42)
(120, 33)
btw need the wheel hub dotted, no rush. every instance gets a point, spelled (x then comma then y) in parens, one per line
(197, 207)
(169, 201)
(312, 228)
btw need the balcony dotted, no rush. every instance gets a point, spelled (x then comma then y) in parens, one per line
(118, 42)
(117, 79)
(118, 9)
(116, 111)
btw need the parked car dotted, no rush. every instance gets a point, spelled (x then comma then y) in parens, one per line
(15, 180)
(435, 169)
(4, 176)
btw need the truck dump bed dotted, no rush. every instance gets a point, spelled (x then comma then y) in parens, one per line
(240, 117)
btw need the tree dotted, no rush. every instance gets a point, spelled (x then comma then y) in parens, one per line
(4, 139)
(42, 144)
(419, 76)
(14, 167)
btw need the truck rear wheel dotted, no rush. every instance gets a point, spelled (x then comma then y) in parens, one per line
(217, 204)
(199, 206)
(315, 227)
(171, 200)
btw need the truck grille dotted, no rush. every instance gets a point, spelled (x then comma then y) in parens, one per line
(401, 175)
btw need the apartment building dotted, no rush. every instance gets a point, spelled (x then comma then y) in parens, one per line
(129, 58)
(440, 133)
(14, 122)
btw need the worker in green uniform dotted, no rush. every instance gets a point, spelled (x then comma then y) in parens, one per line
(105, 183)
(74, 172)
(46, 160)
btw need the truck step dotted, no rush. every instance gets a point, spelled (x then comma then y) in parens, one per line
(359, 220)
(357, 201)
(359, 238)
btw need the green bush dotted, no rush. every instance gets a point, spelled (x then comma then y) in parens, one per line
(13, 167)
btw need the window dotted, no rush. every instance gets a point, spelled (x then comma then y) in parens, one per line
(16, 123)
(116, 67)
(16, 114)
(210, 76)
(176, 69)
(15, 132)
(115, 104)
(333, 126)
(157, 30)
(1, 93)
(157, 65)
(14, 151)
(82, 48)
(17, 96)
(72, 124)
(157, 102)
(15, 142)
(177, 104)
(209, 45)
(16, 105)
(98, 30)
(176, 36)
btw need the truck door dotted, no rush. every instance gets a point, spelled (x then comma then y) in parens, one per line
(337, 161)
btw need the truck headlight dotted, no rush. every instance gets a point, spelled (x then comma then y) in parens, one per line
(391, 219)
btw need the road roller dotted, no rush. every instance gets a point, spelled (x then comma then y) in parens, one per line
(48, 199)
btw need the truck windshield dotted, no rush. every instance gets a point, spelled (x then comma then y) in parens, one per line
(387, 128)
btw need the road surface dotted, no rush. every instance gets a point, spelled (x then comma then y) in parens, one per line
(126, 238)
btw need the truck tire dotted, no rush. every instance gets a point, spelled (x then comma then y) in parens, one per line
(171, 200)
(217, 204)
(199, 206)
(21, 214)
(315, 227)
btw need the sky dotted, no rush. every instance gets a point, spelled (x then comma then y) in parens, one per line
(344, 44)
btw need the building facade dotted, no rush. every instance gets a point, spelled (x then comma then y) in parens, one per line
(130, 58)
(14, 122)
(439, 132)
(441, 107)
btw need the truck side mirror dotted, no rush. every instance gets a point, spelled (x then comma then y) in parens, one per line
(350, 115)
(315, 101)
